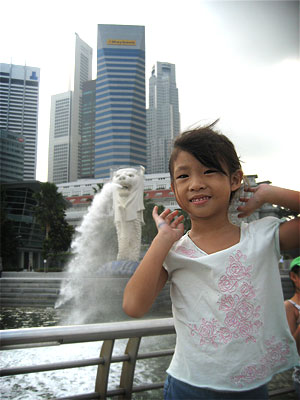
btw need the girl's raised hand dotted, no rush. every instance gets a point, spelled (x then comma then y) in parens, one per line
(168, 223)
(254, 202)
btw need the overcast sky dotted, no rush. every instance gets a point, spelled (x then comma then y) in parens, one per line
(235, 60)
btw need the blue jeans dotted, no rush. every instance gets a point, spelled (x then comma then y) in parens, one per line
(177, 390)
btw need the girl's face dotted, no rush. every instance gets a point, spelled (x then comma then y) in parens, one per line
(202, 191)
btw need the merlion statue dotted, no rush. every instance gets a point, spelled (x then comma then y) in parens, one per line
(128, 206)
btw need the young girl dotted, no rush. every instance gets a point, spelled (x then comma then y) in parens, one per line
(292, 308)
(232, 332)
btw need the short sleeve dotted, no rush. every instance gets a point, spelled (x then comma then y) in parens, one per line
(268, 229)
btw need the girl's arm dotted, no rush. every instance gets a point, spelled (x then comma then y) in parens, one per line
(150, 276)
(289, 232)
(292, 321)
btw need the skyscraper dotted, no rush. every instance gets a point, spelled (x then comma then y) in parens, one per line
(83, 73)
(120, 127)
(59, 138)
(65, 121)
(19, 101)
(87, 159)
(163, 118)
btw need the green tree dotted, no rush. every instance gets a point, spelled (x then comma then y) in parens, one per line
(149, 230)
(50, 214)
(286, 213)
(186, 221)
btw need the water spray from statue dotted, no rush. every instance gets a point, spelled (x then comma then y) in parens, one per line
(106, 245)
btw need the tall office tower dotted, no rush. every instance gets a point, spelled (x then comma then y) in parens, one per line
(87, 161)
(59, 138)
(19, 102)
(163, 118)
(65, 123)
(120, 131)
(83, 73)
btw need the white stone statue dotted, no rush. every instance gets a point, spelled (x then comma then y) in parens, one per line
(128, 206)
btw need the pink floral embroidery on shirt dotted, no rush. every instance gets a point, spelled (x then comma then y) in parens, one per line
(275, 355)
(206, 332)
(187, 252)
(237, 301)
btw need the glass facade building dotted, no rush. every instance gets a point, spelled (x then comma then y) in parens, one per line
(120, 125)
(19, 101)
(11, 156)
(163, 118)
(19, 208)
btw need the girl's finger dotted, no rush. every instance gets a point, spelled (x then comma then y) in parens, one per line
(172, 215)
(154, 212)
(165, 213)
(250, 189)
(244, 199)
(177, 221)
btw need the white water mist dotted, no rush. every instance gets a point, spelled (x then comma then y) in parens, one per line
(94, 246)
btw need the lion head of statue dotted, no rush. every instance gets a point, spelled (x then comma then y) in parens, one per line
(128, 198)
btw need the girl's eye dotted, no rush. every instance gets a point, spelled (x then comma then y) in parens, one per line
(182, 176)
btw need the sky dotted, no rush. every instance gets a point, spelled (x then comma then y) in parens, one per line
(235, 60)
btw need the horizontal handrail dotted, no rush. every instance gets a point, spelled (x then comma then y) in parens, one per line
(85, 333)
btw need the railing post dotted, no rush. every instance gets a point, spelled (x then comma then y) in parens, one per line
(103, 369)
(126, 380)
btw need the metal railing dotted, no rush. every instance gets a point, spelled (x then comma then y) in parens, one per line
(108, 333)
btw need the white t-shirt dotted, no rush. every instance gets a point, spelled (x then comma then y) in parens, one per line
(229, 314)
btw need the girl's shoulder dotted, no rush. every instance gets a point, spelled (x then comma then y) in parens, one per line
(262, 225)
(291, 303)
(266, 221)
(292, 312)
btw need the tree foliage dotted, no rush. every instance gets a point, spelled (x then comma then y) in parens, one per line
(50, 214)
(286, 213)
(149, 230)
(186, 221)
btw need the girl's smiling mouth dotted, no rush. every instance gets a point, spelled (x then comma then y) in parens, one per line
(201, 199)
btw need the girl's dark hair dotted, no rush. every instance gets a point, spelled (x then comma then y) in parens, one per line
(209, 147)
(296, 270)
